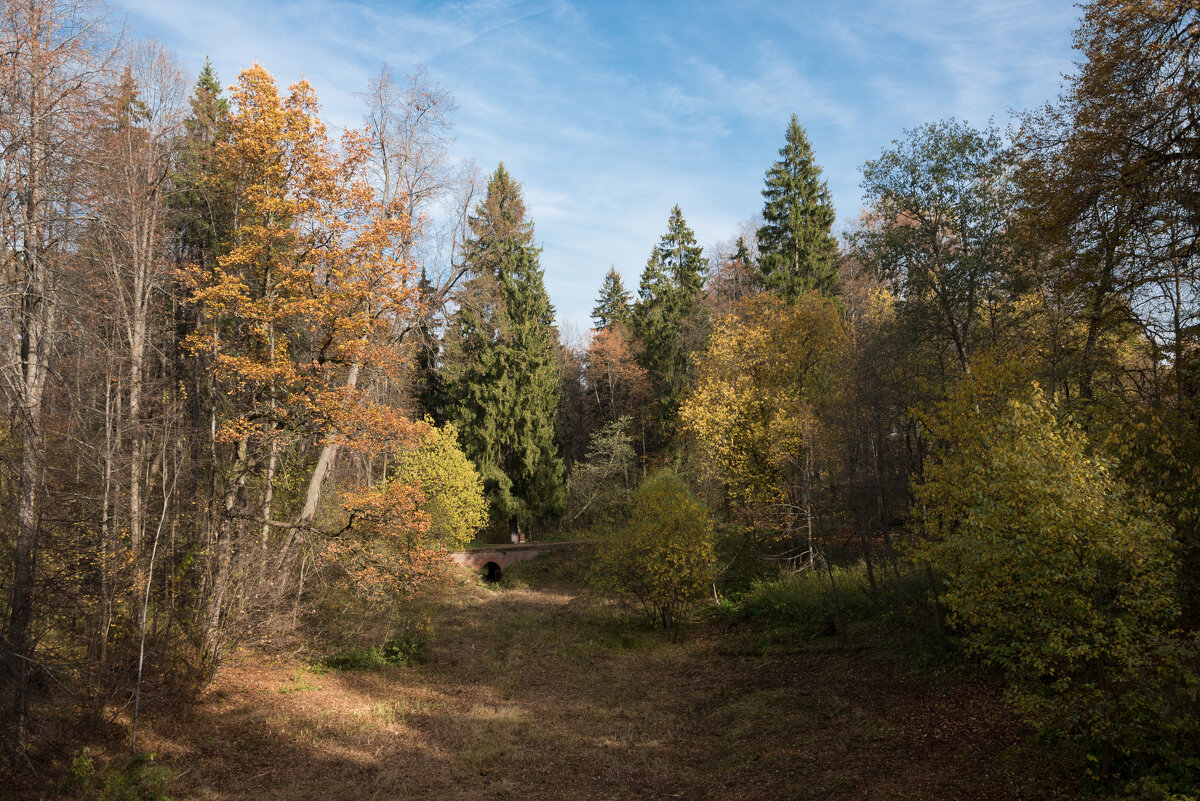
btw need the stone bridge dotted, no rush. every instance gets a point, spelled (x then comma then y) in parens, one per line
(492, 560)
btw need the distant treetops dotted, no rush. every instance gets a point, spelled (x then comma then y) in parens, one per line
(796, 249)
(796, 253)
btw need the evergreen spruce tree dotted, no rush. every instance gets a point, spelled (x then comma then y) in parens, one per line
(613, 305)
(502, 362)
(202, 208)
(430, 383)
(742, 255)
(797, 251)
(666, 313)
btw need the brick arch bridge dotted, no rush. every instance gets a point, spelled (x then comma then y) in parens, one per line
(492, 560)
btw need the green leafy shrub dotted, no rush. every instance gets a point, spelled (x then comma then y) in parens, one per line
(664, 557)
(805, 601)
(137, 779)
(355, 657)
(403, 646)
(407, 644)
(81, 774)
(1060, 576)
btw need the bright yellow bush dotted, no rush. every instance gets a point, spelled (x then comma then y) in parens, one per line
(664, 558)
(449, 483)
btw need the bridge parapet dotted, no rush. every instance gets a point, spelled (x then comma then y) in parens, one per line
(493, 560)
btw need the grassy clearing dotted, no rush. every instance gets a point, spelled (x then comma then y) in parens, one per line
(540, 693)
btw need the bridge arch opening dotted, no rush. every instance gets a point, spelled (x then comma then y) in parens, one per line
(492, 572)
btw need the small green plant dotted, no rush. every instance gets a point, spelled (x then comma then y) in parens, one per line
(139, 779)
(136, 779)
(403, 647)
(298, 684)
(407, 644)
(355, 657)
(81, 774)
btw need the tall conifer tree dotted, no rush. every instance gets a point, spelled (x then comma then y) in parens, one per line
(203, 206)
(502, 363)
(797, 251)
(613, 305)
(666, 311)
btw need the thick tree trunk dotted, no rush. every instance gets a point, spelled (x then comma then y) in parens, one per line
(35, 332)
(35, 351)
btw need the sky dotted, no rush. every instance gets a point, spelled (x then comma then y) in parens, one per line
(610, 113)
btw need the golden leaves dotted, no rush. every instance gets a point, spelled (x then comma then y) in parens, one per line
(311, 286)
(751, 414)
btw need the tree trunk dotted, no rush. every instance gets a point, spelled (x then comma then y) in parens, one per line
(312, 496)
(35, 332)
(210, 629)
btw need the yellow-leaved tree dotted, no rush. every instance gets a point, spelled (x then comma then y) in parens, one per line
(401, 529)
(296, 321)
(1056, 571)
(450, 486)
(664, 557)
(754, 414)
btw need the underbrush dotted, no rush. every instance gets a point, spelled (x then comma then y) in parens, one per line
(137, 779)
(405, 646)
(822, 601)
(808, 602)
(1157, 760)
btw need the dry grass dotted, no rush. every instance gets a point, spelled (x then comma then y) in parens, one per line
(535, 694)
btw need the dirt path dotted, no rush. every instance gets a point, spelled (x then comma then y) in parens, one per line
(536, 695)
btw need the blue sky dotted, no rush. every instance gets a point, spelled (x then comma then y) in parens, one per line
(612, 112)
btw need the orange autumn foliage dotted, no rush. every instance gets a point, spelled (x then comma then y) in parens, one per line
(312, 283)
(617, 384)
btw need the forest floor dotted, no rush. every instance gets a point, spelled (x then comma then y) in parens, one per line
(542, 694)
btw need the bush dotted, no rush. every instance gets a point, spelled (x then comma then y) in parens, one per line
(403, 647)
(1060, 576)
(136, 779)
(664, 557)
(805, 601)
(450, 484)
(355, 657)
(406, 646)
(395, 545)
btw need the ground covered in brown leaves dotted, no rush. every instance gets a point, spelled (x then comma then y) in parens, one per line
(537, 694)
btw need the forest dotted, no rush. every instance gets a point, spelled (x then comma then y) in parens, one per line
(258, 382)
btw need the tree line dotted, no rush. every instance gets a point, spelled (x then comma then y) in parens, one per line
(987, 384)
(229, 377)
